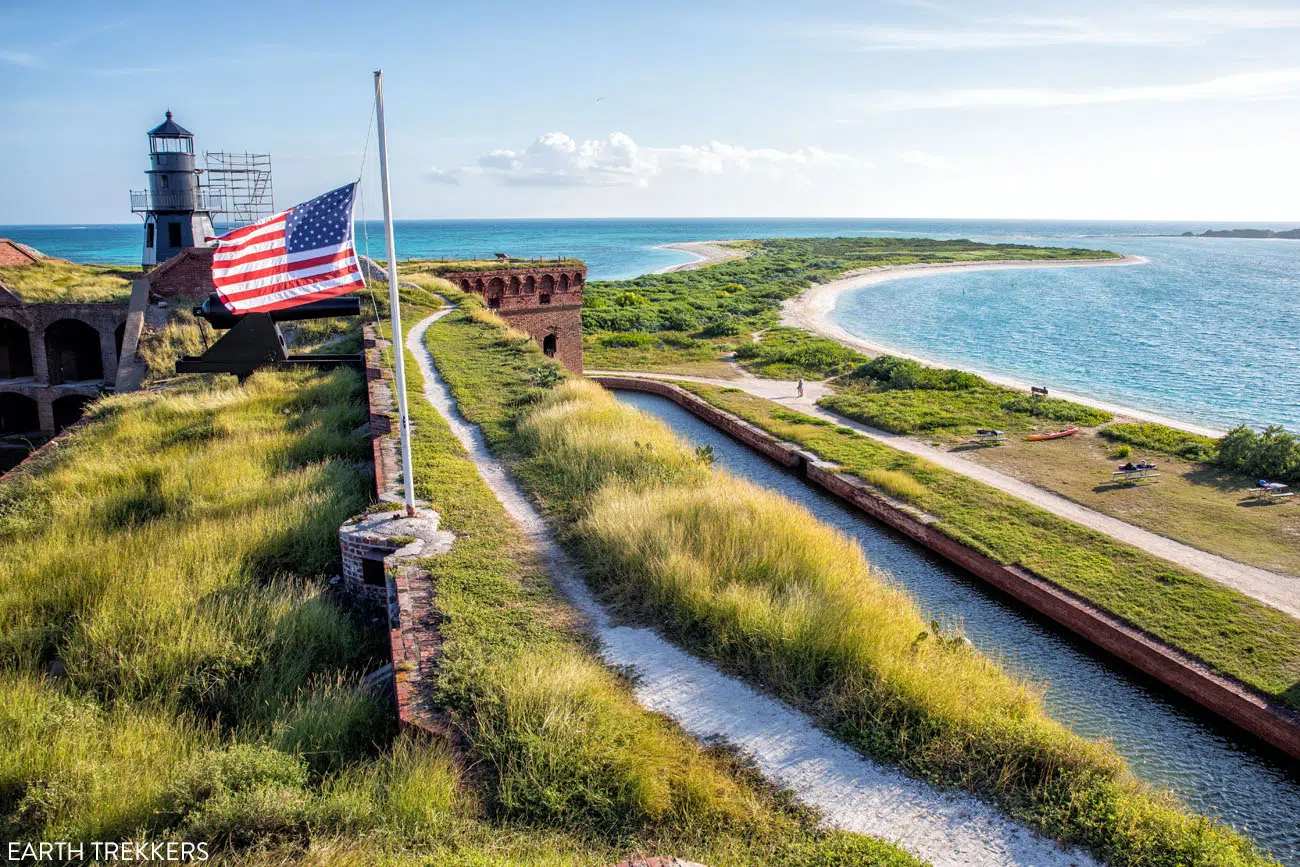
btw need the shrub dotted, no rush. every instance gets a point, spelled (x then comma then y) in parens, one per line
(725, 327)
(1272, 453)
(1165, 440)
(1055, 409)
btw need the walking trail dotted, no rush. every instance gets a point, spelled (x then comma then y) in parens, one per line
(1271, 588)
(948, 829)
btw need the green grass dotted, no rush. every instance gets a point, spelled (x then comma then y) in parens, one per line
(171, 557)
(1164, 440)
(57, 281)
(753, 582)
(904, 397)
(1234, 634)
(788, 353)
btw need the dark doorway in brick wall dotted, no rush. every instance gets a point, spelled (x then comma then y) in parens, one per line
(18, 414)
(15, 350)
(72, 348)
(548, 345)
(372, 571)
(69, 409)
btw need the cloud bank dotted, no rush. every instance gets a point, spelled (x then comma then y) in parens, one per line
(558, 160)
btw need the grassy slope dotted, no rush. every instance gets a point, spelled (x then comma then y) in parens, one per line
(756, 584)
(53, 280)
(1232, 632)
(172, 556)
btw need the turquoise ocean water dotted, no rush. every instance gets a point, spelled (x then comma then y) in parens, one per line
(1208, 331)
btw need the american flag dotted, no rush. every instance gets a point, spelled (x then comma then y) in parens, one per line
(294, 257)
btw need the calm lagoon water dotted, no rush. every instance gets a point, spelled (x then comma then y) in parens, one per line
(1208, 331)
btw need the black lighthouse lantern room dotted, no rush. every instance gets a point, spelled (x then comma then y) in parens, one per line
(175, 208)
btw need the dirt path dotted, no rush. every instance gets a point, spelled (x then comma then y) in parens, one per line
(1280, 591)
(948, 829)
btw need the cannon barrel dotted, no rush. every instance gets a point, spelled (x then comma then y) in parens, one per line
(221, 316)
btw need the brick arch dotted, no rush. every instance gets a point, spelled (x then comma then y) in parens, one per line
(467, 286)
(69, 409)
(19, 414)
(547, 283)
(478, 286)
(549, 344)
(530, 284)
(564, 282)
(72, 351)
(15, 350)
(514, 285)
(577, 278)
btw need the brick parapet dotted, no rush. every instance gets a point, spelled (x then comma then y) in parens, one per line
(407, 593)
(1230, 699)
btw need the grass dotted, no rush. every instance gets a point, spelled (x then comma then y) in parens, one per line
(663, 352)
(170, 559)
(904, 397)
(753, 582)
(57, 281)
(1164, 440)
(1198, 504)
(788, 353)
(1234, 634)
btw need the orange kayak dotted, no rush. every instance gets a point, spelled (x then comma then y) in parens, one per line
(1056, 435)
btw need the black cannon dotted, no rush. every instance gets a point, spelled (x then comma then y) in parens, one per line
(254, 339)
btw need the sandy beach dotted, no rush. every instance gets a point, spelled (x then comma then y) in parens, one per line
(812, 312)
(707, 252)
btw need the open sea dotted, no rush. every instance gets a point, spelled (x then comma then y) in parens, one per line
(1208, 331)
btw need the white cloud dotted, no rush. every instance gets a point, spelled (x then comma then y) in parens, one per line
(1174, 28)
(926, 160)
(436, 175)
(1271, 84)
(556, 159)
(18, 58)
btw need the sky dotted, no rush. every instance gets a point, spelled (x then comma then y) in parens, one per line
(1050, 110)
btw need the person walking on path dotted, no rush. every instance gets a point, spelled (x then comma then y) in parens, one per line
(801, 385)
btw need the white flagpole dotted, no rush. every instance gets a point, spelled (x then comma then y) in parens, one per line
(395, 312)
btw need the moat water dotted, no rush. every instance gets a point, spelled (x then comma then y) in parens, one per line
(1168, 741)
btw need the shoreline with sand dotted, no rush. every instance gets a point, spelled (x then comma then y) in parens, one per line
(812, 309)
(705, 253)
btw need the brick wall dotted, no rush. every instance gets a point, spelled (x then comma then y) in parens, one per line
(546, 302)
(13, 253)
(187, 275)
(1230, 699)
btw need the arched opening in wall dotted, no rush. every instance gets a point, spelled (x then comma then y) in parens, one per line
(530, 285)
(548, 345)
(577, 280)
(15, 350)
(18, 414)
(564, 282)
(119, 336)
(514, 285)
(467, 286)
(496, 287)
(72, 348)
(69, 409)
(548, 283)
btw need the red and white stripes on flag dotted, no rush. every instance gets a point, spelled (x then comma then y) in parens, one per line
(294, 257)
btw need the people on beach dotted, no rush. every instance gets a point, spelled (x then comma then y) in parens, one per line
(801, 385)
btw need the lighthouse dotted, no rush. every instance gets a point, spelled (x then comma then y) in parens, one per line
(175, 207)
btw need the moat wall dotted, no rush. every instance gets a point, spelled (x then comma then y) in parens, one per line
(1229, 699)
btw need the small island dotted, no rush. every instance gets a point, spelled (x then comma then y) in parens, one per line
(1244, 233)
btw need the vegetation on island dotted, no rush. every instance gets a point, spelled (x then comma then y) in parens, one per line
(903, 396)
(56, 281)
(1272, 453)
(739, 297)
(749, 580)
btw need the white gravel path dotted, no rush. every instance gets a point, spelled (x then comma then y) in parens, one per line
(948, 829)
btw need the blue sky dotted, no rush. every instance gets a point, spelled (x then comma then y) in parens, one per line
(1175, 110)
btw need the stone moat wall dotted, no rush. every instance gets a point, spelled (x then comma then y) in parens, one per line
(1243, 706)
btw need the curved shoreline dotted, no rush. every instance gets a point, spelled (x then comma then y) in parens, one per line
(812, 310)
(705, 253)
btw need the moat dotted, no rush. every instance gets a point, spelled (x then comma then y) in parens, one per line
(1167, 741)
